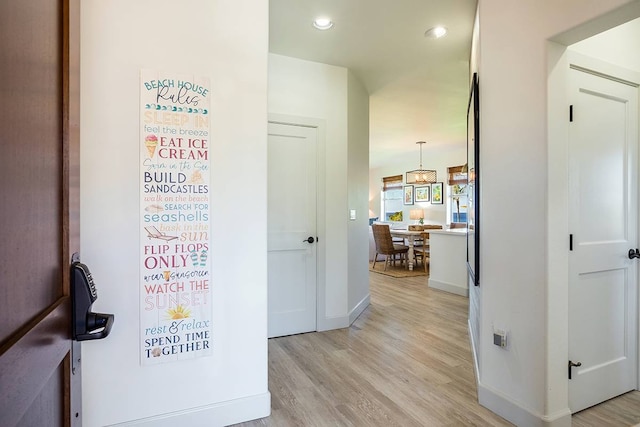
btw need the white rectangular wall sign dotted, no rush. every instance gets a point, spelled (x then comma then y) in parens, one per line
(175, 295)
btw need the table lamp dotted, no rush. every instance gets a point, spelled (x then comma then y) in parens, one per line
(417, 214)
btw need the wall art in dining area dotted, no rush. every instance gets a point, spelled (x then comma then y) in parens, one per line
(422, 194)
(408, 194)
(437, 195)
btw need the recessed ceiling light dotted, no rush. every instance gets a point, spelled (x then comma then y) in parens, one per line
(323, 23)
(436, 32)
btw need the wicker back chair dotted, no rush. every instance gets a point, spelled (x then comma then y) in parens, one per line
(422, 250)
(385, 245)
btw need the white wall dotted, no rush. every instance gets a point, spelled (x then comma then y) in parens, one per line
(439, 159)
(219, 39)
(358, 184)
(475, 292)
(318, 91)
(516, 296)
(619, 46)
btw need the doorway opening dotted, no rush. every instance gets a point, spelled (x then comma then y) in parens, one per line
(594, 53)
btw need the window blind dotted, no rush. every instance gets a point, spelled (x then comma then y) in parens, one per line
(391, 182)
(456, 176)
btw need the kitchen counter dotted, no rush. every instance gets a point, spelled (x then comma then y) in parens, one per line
(448, 260)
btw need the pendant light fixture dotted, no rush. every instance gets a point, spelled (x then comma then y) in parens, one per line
(421, 176)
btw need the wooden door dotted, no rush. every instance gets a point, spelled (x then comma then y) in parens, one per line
(39, 209)
(603, 284)
(291, 229)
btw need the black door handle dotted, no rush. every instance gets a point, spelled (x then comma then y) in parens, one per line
(573, 365)
(634, 253)
(310, 239)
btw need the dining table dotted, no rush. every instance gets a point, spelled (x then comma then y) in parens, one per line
(410, 236)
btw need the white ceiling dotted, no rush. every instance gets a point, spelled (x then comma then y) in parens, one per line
(418, 86)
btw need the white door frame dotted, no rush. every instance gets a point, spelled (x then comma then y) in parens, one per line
(320, 126)
(557, 322)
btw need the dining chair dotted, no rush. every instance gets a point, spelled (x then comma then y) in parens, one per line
(421, 249)
(385, 246)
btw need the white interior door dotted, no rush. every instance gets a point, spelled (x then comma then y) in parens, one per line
(291, 225)
(603, 142)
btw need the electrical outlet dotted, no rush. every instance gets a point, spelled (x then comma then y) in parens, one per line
(500, 338)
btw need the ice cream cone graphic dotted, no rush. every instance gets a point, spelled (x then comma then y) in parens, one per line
(167, 275)
(151, 142)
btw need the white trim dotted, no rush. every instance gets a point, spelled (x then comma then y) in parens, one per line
(557, 258)
(474, 353)
(334, 322)
(586, 64)
(321, 272)
(507, 409)
(559, 419)
(359, 308)
(448, 287)
(518, 415)
(219, 414)
(602, 75)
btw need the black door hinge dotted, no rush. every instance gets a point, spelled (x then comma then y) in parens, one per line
(570, 113)
(570, 242)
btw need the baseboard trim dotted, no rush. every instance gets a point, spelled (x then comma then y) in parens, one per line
(559, 419)
(476, 367)
(216, 415)
(448, 287)
(339, 322)
(509, 410)
(359, 308)
(516, 414)
(330, 323)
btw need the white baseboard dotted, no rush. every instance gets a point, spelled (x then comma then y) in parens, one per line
(359, 308)
(509, 410)
(448, 287)
(339, 322)
(516, 414)
(216, 415)
(335, 322)
(560, 419)
(476, 368)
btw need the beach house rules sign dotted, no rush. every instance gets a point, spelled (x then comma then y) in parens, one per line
(174, 145)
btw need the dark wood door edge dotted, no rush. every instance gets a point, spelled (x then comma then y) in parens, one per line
(28, 369)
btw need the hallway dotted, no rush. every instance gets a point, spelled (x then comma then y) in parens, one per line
(406, 361)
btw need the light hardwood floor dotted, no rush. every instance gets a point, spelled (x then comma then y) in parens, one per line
(406, 361)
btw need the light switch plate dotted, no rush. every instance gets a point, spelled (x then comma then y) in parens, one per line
(352, 214)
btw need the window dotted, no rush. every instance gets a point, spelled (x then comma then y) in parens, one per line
(457, 191)
(392, 198)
